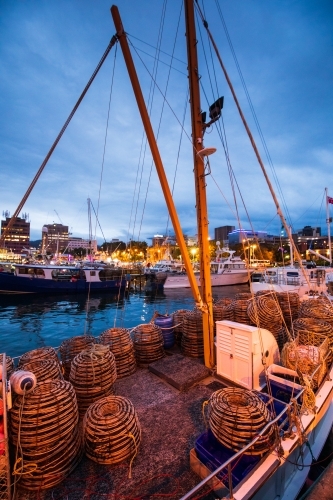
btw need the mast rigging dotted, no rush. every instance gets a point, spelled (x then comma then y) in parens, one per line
(203, 300)
(48, 156)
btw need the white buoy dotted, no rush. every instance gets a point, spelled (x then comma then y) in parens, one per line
(22, 381)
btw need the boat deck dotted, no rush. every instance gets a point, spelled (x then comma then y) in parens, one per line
(171, 419)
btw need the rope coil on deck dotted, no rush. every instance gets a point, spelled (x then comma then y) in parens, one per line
(236, 416)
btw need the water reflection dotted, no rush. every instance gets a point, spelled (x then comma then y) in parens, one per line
(28, 322)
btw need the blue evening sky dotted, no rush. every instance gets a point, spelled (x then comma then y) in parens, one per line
(49, 50)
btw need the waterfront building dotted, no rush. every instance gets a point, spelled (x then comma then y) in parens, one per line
(244, 235)
(18, 236)
(312, 232)
(54, 238)
(222, 234)
(75, 243)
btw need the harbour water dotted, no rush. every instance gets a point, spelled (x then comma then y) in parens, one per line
(28, 322)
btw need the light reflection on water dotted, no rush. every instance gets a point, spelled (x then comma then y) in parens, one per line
(29, 322)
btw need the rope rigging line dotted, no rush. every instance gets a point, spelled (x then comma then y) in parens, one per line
(167, 102)
(97, 222)
(143, 149)
(256, 151)
(105, 139)
(178, 154)
(252, 109)
(161, 114)
(48, 156)
(161, 51)
(223, 138)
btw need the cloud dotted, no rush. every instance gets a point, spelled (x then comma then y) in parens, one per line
(48, 53)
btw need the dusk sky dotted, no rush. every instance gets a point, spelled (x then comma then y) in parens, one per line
(48, 52)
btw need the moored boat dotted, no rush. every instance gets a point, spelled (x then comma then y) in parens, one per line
(39, 278)
(293, 406)
(226, 269)
(306, 282)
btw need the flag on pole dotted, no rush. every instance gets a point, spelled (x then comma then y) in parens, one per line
(329, 199)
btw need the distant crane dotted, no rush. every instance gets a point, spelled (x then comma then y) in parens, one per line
(58, 215)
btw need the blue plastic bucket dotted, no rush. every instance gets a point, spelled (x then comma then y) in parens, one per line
(166, 325)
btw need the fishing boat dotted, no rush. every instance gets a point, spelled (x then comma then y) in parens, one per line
(39, 278)
(303, 277)
(268, 422)
(226, 269)
(308, 282)
(247, 358)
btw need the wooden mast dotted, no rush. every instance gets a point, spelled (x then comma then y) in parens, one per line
(203, 300)
(200, 183)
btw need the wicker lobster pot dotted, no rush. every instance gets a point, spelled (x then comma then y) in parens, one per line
(9, 364)
(265, 312)
(93, 374)
(38, 354)
(320, 308)
(192, 344)
(178, 317)
(314, 325)
(69, 348)
(306, 353)
(111, 430)
(236, 416)
(240, 306)
(45, 424)
(148, 344)
(43, 369)
(121, 345)
(223, 309)
(289, 304)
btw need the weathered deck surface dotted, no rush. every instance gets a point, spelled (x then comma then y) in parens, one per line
(170, 419)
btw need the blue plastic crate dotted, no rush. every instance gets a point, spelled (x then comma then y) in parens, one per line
(274, 405)
(213, 454)
(284, 392)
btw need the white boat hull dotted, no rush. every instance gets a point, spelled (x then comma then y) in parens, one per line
(223, 279)
(274, 287)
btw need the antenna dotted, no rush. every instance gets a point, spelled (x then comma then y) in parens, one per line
(58, 216)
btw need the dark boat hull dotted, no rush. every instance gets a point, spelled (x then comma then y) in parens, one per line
(9, 283)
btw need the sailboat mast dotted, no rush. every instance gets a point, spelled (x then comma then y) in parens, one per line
(200, 183)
